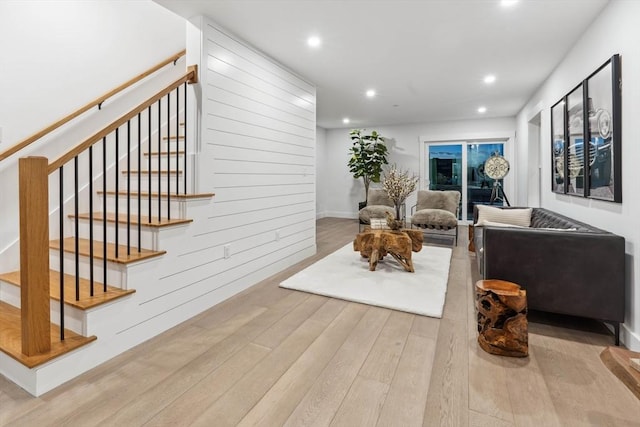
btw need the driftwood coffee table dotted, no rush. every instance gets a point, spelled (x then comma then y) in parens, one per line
(376, 244)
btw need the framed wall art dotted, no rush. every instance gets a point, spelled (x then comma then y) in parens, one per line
(586, 141)
(558, 146)
(603, 128)
(574, 158)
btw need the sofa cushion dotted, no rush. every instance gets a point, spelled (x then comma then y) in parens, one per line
(378, 196)
(521, 217)
(497, 224)
(447, 200)
(375, 211)
(434, 218)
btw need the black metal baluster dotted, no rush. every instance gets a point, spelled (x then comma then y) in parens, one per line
(178, 140)
(61, 202)
(91, 220)
(149, 160)
(77, 228)
(184, 171)
(159, 158)
(169, 156)
(104, 213)
(128, 188)
(139, 189)
(117, 187)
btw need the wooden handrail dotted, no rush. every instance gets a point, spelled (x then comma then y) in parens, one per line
(191, 77)
(36, 136)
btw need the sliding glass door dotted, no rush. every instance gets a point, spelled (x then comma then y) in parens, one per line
(460, 166)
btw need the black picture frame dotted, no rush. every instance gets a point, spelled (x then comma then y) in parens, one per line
(602, 126)
(558, 147)
(586, 137)
(574, 153)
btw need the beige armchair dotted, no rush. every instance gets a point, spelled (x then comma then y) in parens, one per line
(437, 210)
(378, 204)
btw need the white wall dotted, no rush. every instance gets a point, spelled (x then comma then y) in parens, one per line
(321, 172)
(58, 56)
(614, 31)
(340, 192)
(258, 155)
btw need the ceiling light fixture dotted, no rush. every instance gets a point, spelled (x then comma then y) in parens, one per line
(346, 120)
(508, 3)
(489, 79)
(482, 110)
(314, 41)
(371, 93)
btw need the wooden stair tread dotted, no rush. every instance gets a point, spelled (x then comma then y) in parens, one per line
(123, 258)
(618, 361)
(146, 172)
(172, 137)
(144, 220)
(164, 195)
(11, 339)
(164, 153)
(86, 301)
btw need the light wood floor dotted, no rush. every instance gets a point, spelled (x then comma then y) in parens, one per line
(271, 357)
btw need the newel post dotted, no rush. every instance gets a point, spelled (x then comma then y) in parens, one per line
(34, 255)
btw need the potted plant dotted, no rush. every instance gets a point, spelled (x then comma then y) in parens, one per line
(368, 155)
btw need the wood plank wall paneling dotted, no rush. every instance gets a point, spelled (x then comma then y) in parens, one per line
(258, 156)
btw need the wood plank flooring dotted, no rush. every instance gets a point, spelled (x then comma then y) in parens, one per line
(272, 357)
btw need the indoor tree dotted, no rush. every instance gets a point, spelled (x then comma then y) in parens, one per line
(368, 155)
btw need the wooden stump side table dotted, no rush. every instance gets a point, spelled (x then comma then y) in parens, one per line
(376, 244)
(502, 318)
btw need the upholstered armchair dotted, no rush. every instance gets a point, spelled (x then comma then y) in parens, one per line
(378, 204)
(436, 210)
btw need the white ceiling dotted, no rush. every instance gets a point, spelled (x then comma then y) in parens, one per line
(425, 58)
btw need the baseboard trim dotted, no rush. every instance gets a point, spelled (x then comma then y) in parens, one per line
(630, 339)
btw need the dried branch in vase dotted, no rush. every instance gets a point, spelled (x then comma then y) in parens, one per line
(399, 184)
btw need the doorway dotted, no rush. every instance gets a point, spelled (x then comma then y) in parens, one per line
(460, 166)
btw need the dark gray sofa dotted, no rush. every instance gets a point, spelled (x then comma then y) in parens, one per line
(579, 272)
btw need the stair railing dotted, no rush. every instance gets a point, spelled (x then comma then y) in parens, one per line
(34, 203)
(95, 103)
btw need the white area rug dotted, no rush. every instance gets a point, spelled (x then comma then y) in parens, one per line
(345, 274)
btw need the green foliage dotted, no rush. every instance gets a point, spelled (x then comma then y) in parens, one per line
(368, 155)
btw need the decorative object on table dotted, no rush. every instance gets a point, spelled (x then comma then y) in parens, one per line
(345, 275)
(368, 155)
(376, 244)
(379, 224)
(392, 223)
(399, 184)
(620, 362)
(379, 205)
(497, 167)
(502, 318)
(589, 116)
(437, 210)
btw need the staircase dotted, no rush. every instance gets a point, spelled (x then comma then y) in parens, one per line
(121, 241)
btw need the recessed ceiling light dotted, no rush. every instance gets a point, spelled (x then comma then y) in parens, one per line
(371, 93)
(346, 120)
(314, 41)
(489, 79)
(482, 110)
(508, 3)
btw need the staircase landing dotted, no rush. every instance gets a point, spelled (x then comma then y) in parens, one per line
(11, 339)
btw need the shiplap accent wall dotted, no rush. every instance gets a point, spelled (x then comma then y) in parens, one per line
(258, 157)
